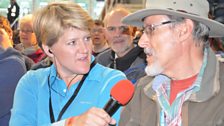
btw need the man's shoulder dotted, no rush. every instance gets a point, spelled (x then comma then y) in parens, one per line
(11, 54)
(138, 54)
(142, 82)
(104, 58)
(104, 54)
(11, 69)
(12, 62)
(221, 69)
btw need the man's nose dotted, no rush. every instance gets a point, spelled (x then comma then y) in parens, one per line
(143, 41)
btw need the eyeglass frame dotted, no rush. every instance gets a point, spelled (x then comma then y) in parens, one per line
(125, 29)
(148, 29)
(26, 31)
(99, 30)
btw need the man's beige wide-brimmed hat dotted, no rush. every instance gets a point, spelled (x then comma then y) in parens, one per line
(191, 9)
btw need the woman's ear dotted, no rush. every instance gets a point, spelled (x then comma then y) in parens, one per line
(47, 50)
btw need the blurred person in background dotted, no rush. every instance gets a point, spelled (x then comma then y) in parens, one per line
(138, 34)
(16, 39)
(7, 42)
(74, 89)
(28, 45)
(123, 55)
(188, 84)
(216, 12)
(12, 68)
(13, 14)
(98, 37)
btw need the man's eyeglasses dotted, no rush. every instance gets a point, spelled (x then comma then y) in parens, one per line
(148, 29)
(99, 30)
(122, 29)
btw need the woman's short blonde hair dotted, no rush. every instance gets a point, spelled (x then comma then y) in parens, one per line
(50, 21)
(27, 19)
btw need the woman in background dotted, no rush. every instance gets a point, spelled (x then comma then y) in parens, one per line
(29, 45)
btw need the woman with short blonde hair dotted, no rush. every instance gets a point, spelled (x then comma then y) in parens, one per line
(74, 89)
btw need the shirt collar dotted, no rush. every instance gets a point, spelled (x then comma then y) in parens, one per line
(92, 76)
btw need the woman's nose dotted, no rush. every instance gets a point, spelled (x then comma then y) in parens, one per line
(83, 46)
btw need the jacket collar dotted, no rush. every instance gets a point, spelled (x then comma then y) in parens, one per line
(210, 82)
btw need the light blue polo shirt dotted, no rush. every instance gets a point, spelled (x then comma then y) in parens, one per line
(31, 100)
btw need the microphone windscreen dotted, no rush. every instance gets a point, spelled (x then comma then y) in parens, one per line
(123, 91)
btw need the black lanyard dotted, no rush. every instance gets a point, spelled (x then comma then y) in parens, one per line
(70, 100)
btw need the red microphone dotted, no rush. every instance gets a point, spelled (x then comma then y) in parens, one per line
(121, 94)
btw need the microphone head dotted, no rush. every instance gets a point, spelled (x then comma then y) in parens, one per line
(123, 91)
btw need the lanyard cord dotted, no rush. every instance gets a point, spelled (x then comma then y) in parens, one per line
(70, 100)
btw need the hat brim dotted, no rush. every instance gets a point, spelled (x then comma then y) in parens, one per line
(136, 19)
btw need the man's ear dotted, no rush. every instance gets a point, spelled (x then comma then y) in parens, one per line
(185, 30)
(47, 50)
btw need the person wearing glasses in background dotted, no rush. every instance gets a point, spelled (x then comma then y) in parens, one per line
(123, 55)
(98, 37)
(188, 84)
(28, 45)
(74, 89)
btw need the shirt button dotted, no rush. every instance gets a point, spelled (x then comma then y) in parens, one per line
(64, 90)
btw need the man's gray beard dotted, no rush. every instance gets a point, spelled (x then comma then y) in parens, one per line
(153, 69)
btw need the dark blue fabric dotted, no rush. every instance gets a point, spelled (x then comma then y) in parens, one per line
(11, 70)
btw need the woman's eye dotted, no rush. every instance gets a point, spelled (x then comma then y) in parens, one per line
(88, 38)
(72, 42)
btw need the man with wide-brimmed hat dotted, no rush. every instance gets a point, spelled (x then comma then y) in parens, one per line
(188, 87)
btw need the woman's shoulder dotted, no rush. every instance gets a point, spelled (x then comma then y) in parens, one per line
(36, 75)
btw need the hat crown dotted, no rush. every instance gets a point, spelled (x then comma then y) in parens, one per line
(196, 10)
(195, 7)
